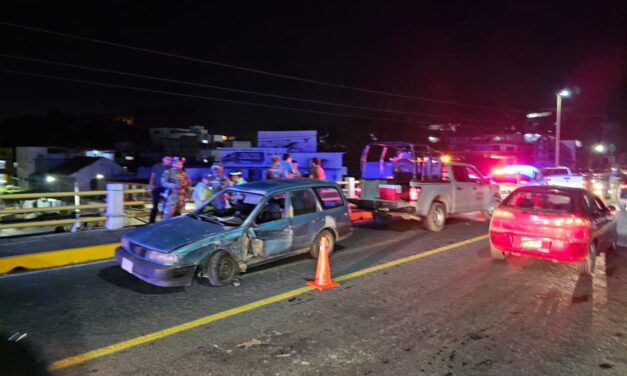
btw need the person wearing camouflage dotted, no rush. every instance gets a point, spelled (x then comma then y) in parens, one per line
(176, 182)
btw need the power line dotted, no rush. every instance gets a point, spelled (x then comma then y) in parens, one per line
(249, 92)
(258, 71)
(136, 88)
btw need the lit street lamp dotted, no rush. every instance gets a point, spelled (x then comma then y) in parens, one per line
(558, 117)
(599, 148)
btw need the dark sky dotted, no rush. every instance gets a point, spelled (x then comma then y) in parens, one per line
(501, 54)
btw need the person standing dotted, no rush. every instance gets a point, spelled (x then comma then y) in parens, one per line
(176, 182)
(286, 163)
(203, 190)
(276, 170)
(315, 170)
(235, 178)
(295, 171)
(155, 189)
(220, 181)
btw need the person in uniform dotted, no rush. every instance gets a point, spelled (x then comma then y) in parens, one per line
(176, 182)
(220, 181)
(155, 189)
(203, 190)
(235, 178)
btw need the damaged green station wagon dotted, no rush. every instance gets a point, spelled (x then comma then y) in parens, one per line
(239, 227)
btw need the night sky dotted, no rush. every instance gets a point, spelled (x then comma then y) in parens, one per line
(505, 55)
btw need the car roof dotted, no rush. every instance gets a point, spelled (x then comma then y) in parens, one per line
(270, 186)
(552, 189)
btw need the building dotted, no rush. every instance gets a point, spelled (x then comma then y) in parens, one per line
(88, 173)
(7, 167)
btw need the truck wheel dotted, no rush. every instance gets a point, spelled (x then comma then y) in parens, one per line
(381, 219)
(221, 269)
(436, 217)
(497, 254)
(324, 239)
(586, 266)
(494, 202)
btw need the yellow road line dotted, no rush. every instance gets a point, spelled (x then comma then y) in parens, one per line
(117, 347)
(57, 258)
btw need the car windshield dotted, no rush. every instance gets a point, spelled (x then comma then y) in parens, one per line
(541, 202)
(554, 171)
(229, 207)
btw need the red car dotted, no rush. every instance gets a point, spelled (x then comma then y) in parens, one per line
(555, 223)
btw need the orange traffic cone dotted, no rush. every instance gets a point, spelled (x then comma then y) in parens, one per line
(323, 271)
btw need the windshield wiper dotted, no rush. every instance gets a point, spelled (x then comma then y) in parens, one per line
(211, 219)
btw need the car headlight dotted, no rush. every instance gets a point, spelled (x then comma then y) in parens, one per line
(162, 258)
(125, 243)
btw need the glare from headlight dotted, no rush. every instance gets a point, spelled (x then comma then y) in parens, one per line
(125, 243)
(162, 258)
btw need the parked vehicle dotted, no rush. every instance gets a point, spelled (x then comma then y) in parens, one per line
(562, 176)
(513, 176)
(556, 223)
(242, 226)
(417, 182)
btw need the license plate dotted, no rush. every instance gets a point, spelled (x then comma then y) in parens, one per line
(530, 243)
(127, 265)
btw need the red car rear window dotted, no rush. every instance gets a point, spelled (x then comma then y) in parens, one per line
(541, 202)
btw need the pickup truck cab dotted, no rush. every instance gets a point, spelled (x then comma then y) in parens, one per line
(561, 176)
(416, 182)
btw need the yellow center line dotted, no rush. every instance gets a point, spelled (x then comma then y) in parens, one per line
(117, 347)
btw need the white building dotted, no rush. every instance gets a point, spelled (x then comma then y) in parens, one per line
(88, 172)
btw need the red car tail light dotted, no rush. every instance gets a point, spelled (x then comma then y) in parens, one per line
(414, 193)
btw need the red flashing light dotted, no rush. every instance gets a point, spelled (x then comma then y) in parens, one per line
(497, 171)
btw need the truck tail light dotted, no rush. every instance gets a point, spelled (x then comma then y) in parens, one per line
(414, 193)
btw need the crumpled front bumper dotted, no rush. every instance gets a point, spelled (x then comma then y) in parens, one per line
(155, 274)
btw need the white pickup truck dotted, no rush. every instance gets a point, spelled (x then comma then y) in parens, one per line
(561, 176)
(414, 182)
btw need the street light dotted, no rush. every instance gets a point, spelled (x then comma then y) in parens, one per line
(599, 148)
(50, 179)
(558, 115)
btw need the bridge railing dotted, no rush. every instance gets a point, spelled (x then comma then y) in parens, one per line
(121, 204)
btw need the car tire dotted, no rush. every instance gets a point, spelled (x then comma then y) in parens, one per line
(494, 203)
(497, 254)
(315, 247)
(381, 219)
(586, 266)
(221, 269)
(436, 217)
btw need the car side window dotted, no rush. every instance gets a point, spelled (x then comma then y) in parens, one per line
(330, 197)
(459, 173)
(303, 202)
(272, 210)
(600, 205)
(472, 175)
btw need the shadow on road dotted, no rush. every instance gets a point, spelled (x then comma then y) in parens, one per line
(118, 277)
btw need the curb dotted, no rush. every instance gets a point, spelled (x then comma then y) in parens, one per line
(57, 258)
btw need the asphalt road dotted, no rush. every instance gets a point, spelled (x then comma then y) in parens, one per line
(456, 312)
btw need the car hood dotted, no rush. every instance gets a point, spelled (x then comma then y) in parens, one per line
(174, 233)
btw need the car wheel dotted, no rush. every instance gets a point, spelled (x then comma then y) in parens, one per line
(324, 239)
(497, 254)
(491, 207)
(221, 269)
(381, 219)
(436, 217)
(586, 266)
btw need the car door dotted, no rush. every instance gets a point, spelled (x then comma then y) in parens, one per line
(479, 191)
(462, 194)
(272, 226)
(608, 223)
(598, 221)
(307, 219)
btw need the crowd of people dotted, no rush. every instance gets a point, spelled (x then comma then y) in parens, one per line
(169, 183)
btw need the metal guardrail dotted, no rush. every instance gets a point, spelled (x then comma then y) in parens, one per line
(349, 186)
